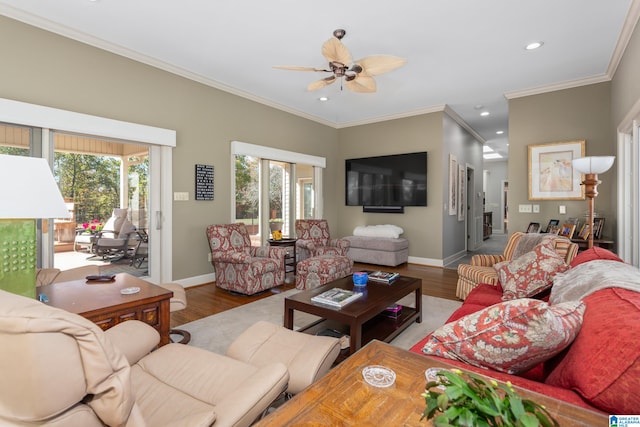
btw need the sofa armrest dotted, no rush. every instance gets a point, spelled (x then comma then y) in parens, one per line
(135, 339)
(340, 243)
(274, 252)
(231, 257)
(306, 244)
(486, 260)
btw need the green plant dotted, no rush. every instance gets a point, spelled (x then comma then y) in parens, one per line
(469, 400)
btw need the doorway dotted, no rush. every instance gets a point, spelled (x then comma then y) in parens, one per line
(158, 142)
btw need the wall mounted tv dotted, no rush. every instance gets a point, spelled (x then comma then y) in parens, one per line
(387, 181)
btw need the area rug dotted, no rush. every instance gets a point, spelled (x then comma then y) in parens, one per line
(217, 332)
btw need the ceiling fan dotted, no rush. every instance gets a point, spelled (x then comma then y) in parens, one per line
(357, 75)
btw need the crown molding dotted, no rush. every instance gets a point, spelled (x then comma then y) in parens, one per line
(379, 119)
(558, 86)
(459, 120)
(625, 35)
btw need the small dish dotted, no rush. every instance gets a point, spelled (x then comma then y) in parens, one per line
(379, 376)
(129, 291)
(431, 375)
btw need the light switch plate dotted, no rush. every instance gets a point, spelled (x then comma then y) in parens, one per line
(536, 208)
(524, 208)
(181, 196)
(563, 210)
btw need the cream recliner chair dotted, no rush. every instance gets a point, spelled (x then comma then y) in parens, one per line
(59, 369)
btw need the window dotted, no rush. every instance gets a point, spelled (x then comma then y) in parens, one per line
(265, 192)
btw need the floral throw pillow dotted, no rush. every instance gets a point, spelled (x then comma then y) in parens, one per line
(531, 273)
(512, 336)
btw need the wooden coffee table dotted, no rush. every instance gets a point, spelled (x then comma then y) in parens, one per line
(361, 319)
(343, 398)
(103, 304)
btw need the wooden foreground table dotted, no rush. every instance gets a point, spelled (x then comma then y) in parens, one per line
(343, 398)
(103, 304)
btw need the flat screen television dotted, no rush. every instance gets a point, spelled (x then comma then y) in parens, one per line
(391, 181)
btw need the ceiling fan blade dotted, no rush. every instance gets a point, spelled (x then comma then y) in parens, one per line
(321, 83)
(361, 84)
(334, 50)
(380, 64)
(294, 68)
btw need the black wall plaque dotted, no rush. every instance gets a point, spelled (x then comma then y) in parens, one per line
(204, 182)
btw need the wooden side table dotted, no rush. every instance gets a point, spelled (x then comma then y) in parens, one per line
(290, 260)
(602, 243)
(103, 304)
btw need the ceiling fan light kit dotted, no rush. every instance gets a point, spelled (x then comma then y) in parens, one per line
(357, 75)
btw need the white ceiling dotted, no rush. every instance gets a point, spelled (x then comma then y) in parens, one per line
(460, 53)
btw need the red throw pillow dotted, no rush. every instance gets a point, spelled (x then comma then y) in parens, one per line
(512, 336)
(603, 363)
(531, 273)
(593, 254)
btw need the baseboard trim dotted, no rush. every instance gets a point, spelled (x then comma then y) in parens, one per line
(197, 280)
(455, 257)
(426, 261)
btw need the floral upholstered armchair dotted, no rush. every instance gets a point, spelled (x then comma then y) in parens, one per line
(314, 239)
(241, 267)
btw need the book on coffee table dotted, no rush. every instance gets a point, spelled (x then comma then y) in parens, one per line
(383, 276)
(336, 297)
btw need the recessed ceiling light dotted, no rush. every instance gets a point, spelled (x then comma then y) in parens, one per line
(479, 107)
(500, 132)
(534, 45)
(485, 113)
(486, 149)
(323, 98)
(492, 156)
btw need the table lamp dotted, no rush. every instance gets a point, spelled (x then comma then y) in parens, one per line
(27, 191)
(591, 167)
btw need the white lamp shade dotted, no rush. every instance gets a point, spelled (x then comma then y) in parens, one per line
(28, 189)
(593, 164)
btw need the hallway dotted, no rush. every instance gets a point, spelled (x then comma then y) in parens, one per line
(493, 245)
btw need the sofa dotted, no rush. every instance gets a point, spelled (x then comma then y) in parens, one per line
(60, 369)
(599, 366)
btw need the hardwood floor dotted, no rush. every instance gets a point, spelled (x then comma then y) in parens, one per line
(205, 300)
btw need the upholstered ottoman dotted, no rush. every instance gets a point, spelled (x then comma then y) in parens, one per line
(316, 271)
(307, 357)
(378, 250)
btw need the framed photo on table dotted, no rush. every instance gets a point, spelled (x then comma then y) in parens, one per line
(534, 227)
(598, 225)
(567, 230)
(555, 223)
(584, 232)
(551, 173)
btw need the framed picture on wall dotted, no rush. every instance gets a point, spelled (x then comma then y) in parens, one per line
(462, 190)
(453, 187)
(551, 173)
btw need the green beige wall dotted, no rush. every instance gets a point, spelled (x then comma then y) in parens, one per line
(41, 68)
(625, 86)
(422, 225)
(565, 115)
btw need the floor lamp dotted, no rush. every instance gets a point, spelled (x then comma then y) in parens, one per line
(27, 191)
(591, 167)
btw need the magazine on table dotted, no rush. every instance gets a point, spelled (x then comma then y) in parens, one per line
(336, 297)
(383, 276)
